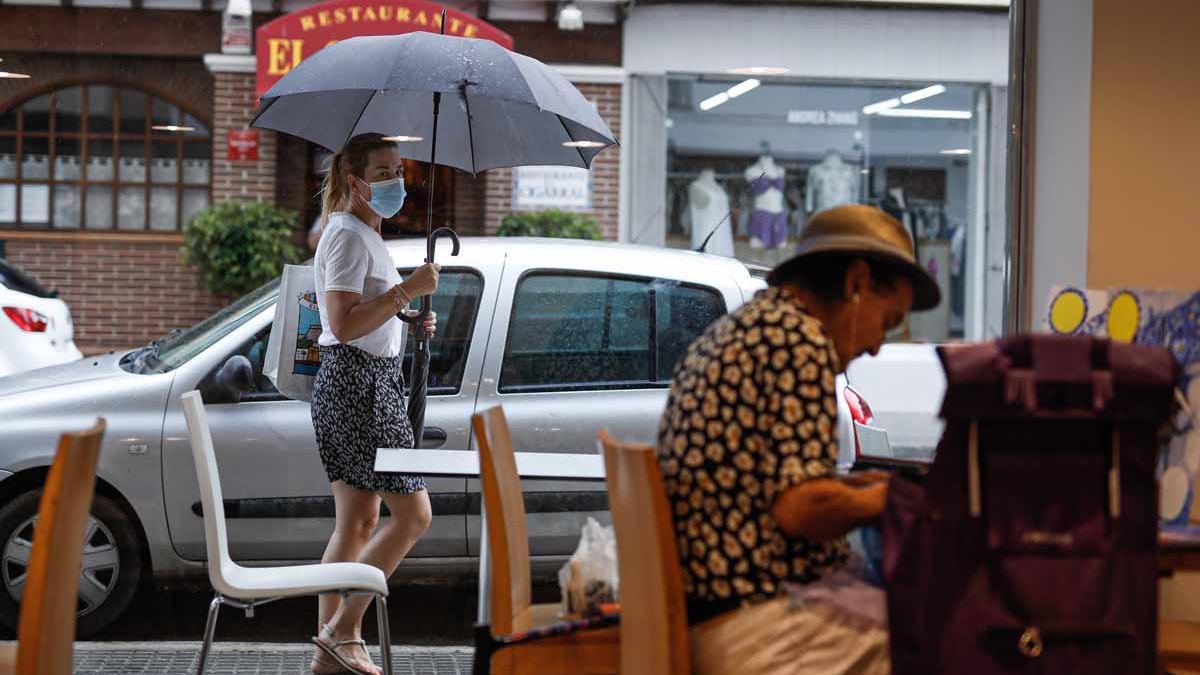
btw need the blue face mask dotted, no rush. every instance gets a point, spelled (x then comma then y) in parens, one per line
(387, 197)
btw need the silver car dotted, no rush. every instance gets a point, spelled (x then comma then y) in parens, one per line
(569, 336)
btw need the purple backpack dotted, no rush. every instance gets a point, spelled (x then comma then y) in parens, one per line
(1030, 546)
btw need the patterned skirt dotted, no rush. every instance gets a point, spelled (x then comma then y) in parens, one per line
(357, 407)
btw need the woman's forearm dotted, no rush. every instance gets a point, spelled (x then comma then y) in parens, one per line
(824, 509)
(360, 318)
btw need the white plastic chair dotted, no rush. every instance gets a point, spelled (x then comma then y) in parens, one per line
(249, 587)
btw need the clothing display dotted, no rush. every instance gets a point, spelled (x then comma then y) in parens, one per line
(831, 183)
(768, 220)
(708, 207)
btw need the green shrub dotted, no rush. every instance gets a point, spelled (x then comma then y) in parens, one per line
(552, 223)
(239, 246)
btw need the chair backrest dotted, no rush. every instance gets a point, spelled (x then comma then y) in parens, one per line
(46, 632)
(654, 628)
(508, 538)
(211, 500)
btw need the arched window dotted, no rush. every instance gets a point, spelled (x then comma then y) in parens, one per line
(101, 157)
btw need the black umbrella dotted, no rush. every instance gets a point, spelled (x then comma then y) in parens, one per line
(509, 110)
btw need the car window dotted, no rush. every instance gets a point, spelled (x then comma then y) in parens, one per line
(13, 278)
(571, 331)
(457, 305)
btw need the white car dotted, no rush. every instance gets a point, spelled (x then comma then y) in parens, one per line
(35, 326)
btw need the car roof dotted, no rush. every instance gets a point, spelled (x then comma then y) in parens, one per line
(556, 249)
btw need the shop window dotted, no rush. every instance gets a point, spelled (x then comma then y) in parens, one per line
(570, 332)
(745, 173)
(99, 157)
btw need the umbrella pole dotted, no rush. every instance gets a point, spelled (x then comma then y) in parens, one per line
(419, 375)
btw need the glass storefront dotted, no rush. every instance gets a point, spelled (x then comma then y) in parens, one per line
(750, 160)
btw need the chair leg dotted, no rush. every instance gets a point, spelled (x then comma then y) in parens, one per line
(210, 629)
(385, 634)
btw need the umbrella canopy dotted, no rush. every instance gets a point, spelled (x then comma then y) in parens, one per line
(499, 108)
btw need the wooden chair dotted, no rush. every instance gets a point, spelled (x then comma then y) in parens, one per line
(1179, 646)
(560, 646)
(46, 632)
(654, 627)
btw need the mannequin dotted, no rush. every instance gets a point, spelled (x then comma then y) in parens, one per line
(830, 183)
(708, 205)
(768, 220)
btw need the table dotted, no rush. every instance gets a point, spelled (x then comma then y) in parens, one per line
(1179, 550)
(465, 463)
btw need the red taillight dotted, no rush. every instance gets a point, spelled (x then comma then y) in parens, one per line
(27, 319)
(859, 410)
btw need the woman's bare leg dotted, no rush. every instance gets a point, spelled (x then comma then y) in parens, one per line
(411, 516)
(356, 516)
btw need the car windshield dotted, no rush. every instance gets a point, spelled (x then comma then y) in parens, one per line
(176, 348)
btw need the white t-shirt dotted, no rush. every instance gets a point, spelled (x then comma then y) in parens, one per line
(352, 257)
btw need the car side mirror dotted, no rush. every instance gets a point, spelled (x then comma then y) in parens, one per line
(234, 378)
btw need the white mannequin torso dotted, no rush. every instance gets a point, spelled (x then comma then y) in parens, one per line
(831, 183)
(708, 204)
(772, 200)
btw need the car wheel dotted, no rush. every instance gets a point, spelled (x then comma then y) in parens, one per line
(109, 575)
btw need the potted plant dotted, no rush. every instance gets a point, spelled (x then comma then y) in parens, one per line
(550, 223)
(239, 246)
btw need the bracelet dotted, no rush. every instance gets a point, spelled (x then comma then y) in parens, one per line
(400, 297)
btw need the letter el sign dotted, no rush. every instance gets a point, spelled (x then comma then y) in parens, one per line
(285, 54)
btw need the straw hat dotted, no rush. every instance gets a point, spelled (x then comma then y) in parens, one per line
(868, 232)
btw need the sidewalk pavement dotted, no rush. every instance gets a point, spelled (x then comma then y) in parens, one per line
(248, 658)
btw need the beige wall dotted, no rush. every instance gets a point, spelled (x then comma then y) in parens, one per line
(1145, 169)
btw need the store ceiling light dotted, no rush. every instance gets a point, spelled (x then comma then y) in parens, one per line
(5, 75)
(743, 87)
(171, 127)
(583, 144)
(730, 93)
(927, 114)
(882, 105)
(759, 70)
(570, 16)
(404, 139)
(922, 94)
(714, 101)
(956, 151)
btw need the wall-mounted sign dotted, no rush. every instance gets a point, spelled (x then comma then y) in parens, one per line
(537, 188)
(826, 118)
(283, 43)
(242, 145)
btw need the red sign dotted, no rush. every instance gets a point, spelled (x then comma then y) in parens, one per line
(283, 43)
(242, 145)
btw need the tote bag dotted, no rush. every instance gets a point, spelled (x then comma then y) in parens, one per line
(293, 352)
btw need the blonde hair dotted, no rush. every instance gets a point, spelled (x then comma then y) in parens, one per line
(351, 160)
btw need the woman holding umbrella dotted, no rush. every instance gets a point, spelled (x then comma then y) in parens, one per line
(358, 395)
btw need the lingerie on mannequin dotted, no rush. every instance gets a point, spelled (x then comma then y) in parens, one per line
(768, 219)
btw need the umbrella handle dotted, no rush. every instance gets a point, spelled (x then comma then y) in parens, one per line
(420, 317)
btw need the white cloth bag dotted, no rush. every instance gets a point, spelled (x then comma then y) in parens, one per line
(293, 353)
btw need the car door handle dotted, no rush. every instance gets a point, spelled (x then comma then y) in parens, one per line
(434, 437)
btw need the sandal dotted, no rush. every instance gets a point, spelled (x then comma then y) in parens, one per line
(320, 666)
(328, 643)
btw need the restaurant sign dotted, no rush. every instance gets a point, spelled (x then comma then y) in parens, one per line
(283, 43)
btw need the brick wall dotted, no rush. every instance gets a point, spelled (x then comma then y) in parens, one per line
(121, 294)
(233, 108)
(605, 171)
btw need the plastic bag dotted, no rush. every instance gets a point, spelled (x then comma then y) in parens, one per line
(589, 579)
